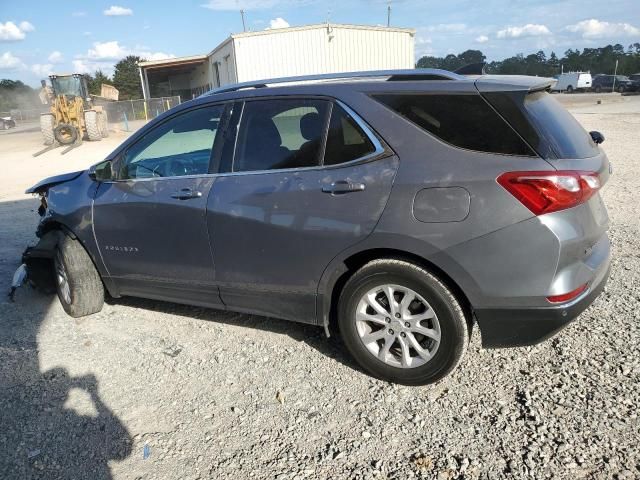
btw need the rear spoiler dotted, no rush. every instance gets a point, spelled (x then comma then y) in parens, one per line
(510, 83)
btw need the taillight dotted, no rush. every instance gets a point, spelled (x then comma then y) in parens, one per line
(546, 192)
(565, 297)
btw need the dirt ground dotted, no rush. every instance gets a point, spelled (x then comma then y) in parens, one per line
(154, 390)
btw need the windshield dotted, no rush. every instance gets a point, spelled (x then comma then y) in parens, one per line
(66, 86)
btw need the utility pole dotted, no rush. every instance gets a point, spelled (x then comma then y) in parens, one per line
(389, 13)
(615, 72)
(244, 26)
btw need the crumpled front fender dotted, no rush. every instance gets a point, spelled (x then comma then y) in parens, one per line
(39, 261)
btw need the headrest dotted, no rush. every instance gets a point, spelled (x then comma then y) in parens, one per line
(310, 126)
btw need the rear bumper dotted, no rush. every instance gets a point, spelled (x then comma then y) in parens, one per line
(519, 327)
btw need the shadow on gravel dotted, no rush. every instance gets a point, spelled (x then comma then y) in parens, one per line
(40, 438)
(313, 336)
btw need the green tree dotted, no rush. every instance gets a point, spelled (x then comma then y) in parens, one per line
(95, 82)
(126, 78)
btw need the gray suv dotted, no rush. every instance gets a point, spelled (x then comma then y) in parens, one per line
(399, 208)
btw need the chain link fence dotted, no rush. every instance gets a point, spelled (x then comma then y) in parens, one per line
(25, 115)
(125, 111)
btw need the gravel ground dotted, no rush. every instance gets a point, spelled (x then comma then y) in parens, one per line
(153, 390)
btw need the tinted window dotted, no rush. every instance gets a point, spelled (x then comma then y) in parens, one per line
(565, 135)
(280, 133)
(465, 121)
(545, 124)
(346, 141)
(177, 147)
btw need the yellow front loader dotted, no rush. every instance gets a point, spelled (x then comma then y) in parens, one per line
(73, 115)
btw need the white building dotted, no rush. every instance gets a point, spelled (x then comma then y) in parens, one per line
(283, 52)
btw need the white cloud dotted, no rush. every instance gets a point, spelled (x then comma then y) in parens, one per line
(55, 57)
(528, 30)
(249, 4)
(117, 11)
(278, 23)
(103, 55)
(10, 62)
(106, 51)
(482, 39)
(448, 27)
(593, 28)
(26, 27)
(10, 32)
(42, 70)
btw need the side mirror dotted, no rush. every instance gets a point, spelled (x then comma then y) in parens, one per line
(597, 137)
(101, 172)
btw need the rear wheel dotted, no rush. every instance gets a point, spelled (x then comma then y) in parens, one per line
(46, 127)
(91, 123)
(78, 283)
(401, 323)
(598, 89)
(621, 89)
(103, 124)
(570, 89)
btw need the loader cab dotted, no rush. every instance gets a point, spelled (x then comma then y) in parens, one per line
(70, 86)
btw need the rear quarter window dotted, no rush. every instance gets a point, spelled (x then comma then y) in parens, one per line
(465, 121)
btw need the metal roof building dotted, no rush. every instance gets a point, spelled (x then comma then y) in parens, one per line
(282, 52)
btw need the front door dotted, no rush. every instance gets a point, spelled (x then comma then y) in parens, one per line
(307, 181)
(150, 222)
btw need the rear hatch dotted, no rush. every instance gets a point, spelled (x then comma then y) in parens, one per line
(558, 138)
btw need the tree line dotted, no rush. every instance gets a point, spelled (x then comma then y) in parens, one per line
(594, 60)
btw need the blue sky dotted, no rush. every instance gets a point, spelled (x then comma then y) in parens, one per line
(101, 32)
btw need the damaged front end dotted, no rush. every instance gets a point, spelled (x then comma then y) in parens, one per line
(36, 267)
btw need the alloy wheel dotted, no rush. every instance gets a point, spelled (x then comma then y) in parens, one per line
(398, 326)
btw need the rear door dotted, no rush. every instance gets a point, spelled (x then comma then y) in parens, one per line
(307, 180)
(150, 223)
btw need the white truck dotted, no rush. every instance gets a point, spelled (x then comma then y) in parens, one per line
(572, 82)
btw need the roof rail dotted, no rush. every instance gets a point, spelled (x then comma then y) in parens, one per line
(392, 75)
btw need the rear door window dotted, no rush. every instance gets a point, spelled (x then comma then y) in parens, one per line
(280, 133)
(464, 121)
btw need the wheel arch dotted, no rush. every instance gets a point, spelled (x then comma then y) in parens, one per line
(55, 225)
(328, 301)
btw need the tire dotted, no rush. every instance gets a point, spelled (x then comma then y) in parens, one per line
(65, 134)
(46, 127)
(569, 89)
(445, 353)
(621, 89)
(103, 124)
(598, 89)
(92, 125)
(84, 292)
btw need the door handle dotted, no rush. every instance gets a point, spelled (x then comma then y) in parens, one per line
(186, 194)
(342, 186)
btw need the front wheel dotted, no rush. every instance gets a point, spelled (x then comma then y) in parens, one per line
(78, 283)
(569, 89)
(401, 323)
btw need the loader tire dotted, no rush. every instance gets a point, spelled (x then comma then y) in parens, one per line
(103, 124)
(92, 125)
(65, 134)
(46, 127)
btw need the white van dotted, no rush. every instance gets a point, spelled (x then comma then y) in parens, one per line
(571, 82)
